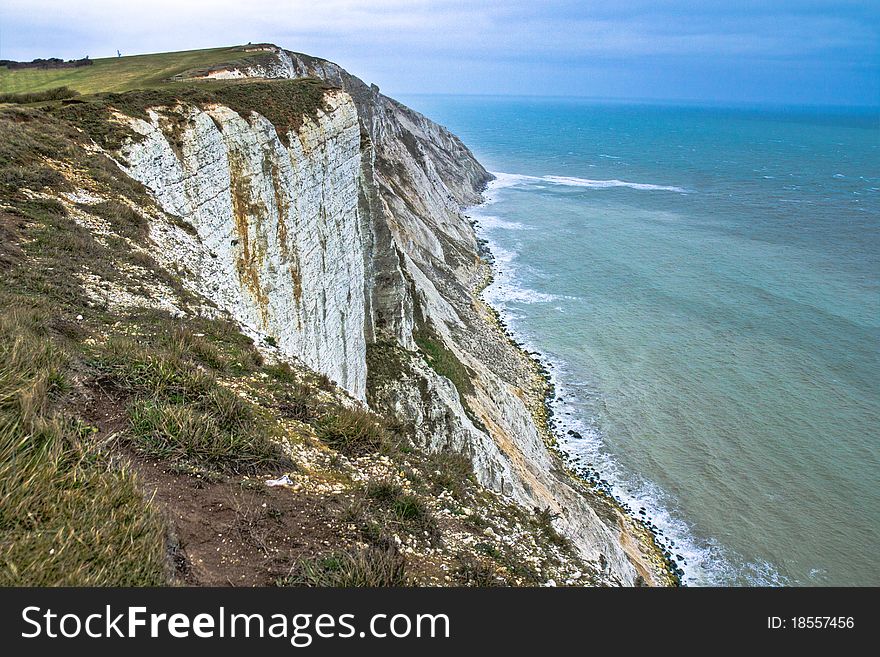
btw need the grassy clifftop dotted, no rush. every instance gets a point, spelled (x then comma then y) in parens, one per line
(124, 73)
(132, 84)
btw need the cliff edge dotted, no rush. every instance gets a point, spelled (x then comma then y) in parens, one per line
(325, 220)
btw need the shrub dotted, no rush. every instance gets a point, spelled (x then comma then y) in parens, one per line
(324, 382)
(58, 93)
(296, 400)
(352, 431)
(470, 571)
(544, 520)
(450, 470)
(367, 567)
(410, 508)
(384, 490)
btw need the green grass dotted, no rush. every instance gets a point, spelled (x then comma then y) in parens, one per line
(68, 516)
(132, 84)
(143, 367)
(178, 411)
(212, 344)
(443, 361)
(125, 221)
(120, 73)
(195, 435)
(410, 508)
(27, 139)
(392, 506)
(296, 401)
(69, 513)
(384, 490)
(281, 372)
(46, 251)
(283, 102)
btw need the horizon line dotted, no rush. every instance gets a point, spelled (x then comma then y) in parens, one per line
(753, 104)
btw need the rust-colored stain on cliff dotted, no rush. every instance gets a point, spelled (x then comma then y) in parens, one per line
(243, 208)
(282, 205)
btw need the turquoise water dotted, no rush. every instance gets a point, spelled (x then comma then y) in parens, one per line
(705, 285)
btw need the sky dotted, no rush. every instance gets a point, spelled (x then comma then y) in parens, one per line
(816, 52)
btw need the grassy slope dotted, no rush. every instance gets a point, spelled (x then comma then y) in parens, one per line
(118, 73)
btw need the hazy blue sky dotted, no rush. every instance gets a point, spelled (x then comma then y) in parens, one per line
(807, 51)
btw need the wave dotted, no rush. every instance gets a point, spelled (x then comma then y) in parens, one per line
(492, 222)
(506, 287)
(503, 180)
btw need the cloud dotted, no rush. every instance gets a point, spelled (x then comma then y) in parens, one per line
(381, 35)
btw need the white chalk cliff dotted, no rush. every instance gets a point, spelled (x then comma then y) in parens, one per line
(279, 240)
(352, 238)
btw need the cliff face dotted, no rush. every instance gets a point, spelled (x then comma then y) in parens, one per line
(278, 243)
(347, 247)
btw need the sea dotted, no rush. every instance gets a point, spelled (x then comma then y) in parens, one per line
(703, 284)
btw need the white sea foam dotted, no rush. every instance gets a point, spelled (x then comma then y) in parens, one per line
(503, 180)
(506, 287)
(518, 294)
(491, 222)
